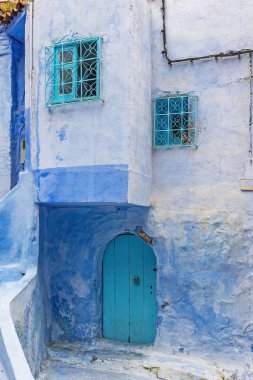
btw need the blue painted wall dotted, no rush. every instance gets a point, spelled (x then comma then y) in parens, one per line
(18, 225)
(72, 241)
(17, 131)
(113, 132)
(28, 314)
(18, 256)
(5, 111)
(100, 183)
(197, 278)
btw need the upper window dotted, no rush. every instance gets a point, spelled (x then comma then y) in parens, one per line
(175, 121)
(73, 71)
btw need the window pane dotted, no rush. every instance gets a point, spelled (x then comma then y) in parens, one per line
(89, 50)
(66, 56)
(162, 106)
(88, 89)
(185, 104)
(88, 70)
(175, 122)
(161, 122)
(66, 82)
(161, 138)
(175, 105)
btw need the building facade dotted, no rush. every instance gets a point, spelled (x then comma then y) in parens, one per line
(126, 178)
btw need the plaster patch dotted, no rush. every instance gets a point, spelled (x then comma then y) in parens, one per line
(62, 133)
(79, 285)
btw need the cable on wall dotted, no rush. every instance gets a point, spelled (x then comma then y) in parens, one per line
(229, 53)
(250, 113)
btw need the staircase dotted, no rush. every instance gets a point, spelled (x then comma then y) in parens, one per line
(102, 360)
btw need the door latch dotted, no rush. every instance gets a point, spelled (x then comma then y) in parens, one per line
(136, 280)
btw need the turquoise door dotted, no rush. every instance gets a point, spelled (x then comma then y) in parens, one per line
(129, 291)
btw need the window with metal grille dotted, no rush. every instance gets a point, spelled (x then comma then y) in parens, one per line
(73, 71)
(175, 121)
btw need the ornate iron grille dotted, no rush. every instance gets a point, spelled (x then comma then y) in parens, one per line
(175, 121)
(72, 71)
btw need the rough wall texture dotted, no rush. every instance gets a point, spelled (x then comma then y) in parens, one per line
(203, 217)
(116, 129)
(72, 242)
(18, 97)
(18, 225)
(203, 279)
(28, 314)
(201, 220)
(5, 111)
(18, 254)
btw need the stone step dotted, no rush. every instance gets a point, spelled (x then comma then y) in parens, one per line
(107, 360)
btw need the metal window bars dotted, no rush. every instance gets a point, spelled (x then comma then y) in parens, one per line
(175, 121)
(72, 71)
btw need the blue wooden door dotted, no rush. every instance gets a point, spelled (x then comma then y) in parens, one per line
(129, 291)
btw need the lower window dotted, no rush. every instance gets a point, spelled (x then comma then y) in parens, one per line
(175, 121)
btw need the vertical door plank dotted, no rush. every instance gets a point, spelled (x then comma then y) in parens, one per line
(109, 307)
(150, 306)
(129, 309)
(122, 288)
(137, 322)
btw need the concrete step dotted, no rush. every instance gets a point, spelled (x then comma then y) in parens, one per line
(106, 360)
(2, 372)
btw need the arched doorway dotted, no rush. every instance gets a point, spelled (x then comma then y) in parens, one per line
(129, 290)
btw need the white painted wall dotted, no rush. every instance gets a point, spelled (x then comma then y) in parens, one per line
(199, 209)
(206, 178)
(96, 132)
(114, 131)
(5, 112)
(140, 138)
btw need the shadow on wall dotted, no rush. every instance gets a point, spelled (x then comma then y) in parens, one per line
(72, 243)
(28, 314)
(18, 233)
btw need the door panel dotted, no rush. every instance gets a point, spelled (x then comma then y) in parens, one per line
(109, 306)
(121, 316)
(149, 295)
(129, 291)
(137, 323)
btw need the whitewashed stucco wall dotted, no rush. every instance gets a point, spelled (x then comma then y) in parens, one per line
(198, 207)
(116, 129)
(95, 132)
(206, 178)
(5, 112)
(140, 136)
(90, 130)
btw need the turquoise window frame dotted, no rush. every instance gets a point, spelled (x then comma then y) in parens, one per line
(59, 68)
(85, 67)
(175, 121)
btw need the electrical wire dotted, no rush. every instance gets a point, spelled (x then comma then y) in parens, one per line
(229, 53)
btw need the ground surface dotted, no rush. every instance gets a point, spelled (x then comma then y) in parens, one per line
(2, 373)
(109, 361)
(8, 273)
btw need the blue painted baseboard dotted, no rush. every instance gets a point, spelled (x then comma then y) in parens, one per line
(92, 184)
